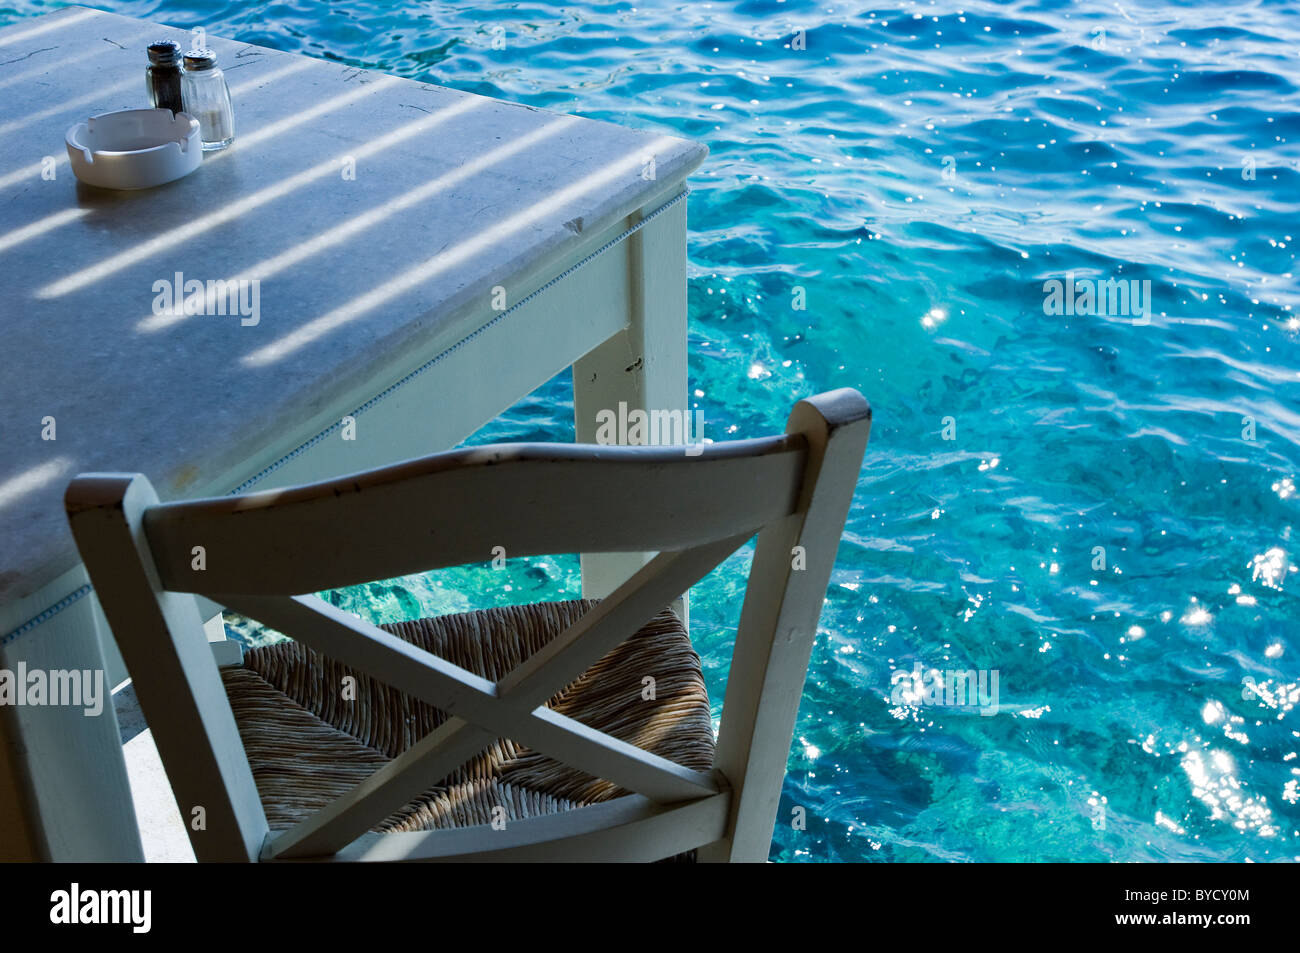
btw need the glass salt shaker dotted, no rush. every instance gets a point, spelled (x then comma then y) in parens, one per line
(207, 99)
(162, 77)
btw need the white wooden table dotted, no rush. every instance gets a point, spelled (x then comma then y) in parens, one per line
(424, 258)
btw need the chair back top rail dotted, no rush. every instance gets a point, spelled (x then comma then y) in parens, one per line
(455, 508)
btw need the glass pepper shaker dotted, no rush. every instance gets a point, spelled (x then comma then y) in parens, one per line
(207, 98)
(162, 77)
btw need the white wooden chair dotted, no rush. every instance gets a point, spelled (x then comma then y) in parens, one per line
(260, 550)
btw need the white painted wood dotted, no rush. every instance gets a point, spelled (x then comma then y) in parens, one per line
(162, 640)
(778, 622)
(453, 508)
(227, 653)
(22, 842)
(629, 829)
(444, 405)
(215, 627)
(644, 366)
(114, 666)
(214, 623)
(59, 770)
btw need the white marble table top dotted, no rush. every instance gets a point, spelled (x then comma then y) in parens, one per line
(374, 212)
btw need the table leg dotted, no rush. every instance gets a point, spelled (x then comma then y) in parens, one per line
(63, 762)
(643, 366)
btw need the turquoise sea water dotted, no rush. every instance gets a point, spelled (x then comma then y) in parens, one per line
(920, 171)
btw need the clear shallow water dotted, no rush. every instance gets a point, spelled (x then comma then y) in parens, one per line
(1110, 157)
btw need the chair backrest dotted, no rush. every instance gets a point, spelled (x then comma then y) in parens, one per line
(259, 552)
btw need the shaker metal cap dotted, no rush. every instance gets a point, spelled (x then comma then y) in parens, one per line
(198, 60)
(164, 53)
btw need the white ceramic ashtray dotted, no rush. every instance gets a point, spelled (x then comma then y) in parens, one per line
(135, 148)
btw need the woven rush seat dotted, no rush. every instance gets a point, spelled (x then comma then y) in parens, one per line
(309, 741)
